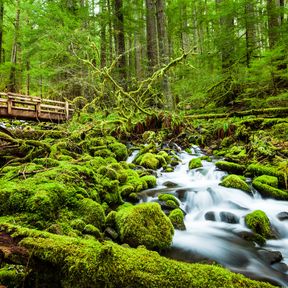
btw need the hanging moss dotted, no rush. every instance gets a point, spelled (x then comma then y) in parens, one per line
(235, 181)
(144, 224)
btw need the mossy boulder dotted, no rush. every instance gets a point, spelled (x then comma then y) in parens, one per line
(259, 223)
(144, 224)
(148, 160)
(120, 151)
(195, 163)
(92, 212)
(230, 167)
(150, 180)
(267, 187)
(176, 217)
(235, 181)
(258, 170)
(168, 201)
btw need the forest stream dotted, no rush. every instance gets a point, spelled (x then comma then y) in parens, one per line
(215, 222)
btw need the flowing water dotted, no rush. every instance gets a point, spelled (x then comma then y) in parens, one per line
(203, 200)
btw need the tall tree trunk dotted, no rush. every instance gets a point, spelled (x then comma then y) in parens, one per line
(1, 28)
(103, 47)
(151, 32)
(250, 30)
(226, 43)
(12, 85)
(120, 38)
(164, 51)
(274, 21)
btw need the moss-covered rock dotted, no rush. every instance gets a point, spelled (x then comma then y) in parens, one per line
(169, 199)
(150, 180)
(176, 217)
(235, 181)
(258, 170)
(259, 183)
(259, 223)
(92, 213)
(149, 160)
(144, 224)
(195, 163)
(120, 151)
(230, 167)
(12, 276)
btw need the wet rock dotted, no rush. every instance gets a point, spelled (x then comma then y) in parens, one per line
(229, 217)
(170, 184)
(270, 257)
(111, 233)
(281, 267)
(282, 216)
(210, 216)
(252, 237)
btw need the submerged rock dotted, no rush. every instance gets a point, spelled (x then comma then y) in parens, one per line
(282, 216)
(210, 216)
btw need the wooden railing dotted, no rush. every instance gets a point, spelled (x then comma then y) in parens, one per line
(19, 106)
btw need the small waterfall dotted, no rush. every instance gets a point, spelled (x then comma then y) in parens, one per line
(219, 240)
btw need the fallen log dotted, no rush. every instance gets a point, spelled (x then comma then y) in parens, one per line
(76, 262)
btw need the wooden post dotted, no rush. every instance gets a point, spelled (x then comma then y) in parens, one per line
(9, 105)
(67, 110)
(38, 109)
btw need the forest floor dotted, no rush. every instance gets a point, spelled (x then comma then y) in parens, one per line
(65, 217)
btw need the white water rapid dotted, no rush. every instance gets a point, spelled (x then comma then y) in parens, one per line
(215, 222)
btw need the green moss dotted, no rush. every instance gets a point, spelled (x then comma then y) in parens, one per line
(259, 223)
(144, 224)
(195, 163)
(269, 180)
(267, 190)
(12, 276)
(92, 213)
(119, 150)
(235, 181)
(92, 230)
(230, 167)
(169, 197)
(88, 263)
(78, 224)
(149, 160)
(206, 158)
(258, 170)
(176, 217)
(150, 180)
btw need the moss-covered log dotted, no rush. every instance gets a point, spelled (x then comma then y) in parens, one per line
(89, 263)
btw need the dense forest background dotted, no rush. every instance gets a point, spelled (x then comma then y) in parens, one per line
(228, 53)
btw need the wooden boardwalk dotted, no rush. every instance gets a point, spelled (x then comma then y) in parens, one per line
(33, 108)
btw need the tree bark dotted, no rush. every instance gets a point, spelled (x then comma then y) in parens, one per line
(120, 38)
(274, 21)
(1, 28)
(164, 52)
(250, 30)
(151, 31)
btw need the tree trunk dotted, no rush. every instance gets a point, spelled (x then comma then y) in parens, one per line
(1, 28)
(151, 31)
(274, 21)
(250, 30)
(12, 85)
(120, 38)
(103, 34)
(226, 41)
(164, 52)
